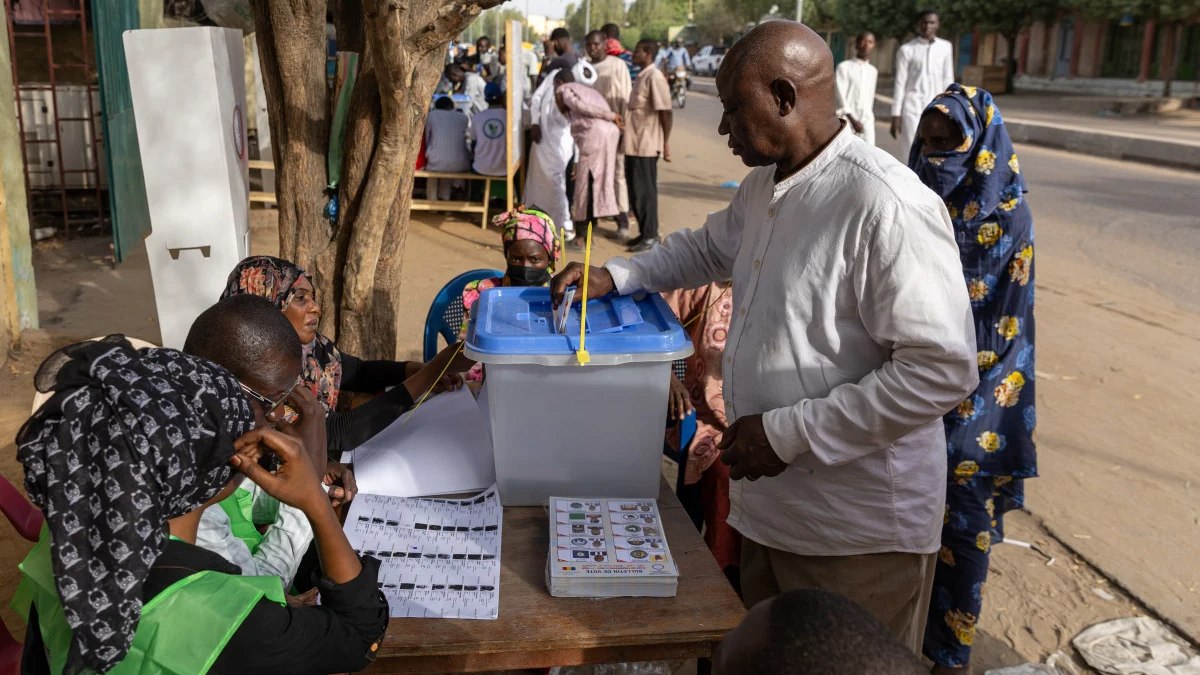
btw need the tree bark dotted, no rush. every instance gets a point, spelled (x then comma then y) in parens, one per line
(291, 39)
(405, 43)
(356, 265)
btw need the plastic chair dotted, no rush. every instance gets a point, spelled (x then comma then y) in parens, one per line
(25, 517)
(446, 312)
(27, 520)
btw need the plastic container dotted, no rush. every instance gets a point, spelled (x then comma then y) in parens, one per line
(561, 428)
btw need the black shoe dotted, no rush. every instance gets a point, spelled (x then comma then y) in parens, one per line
(644, 245)
(636, 241)
(620, 236)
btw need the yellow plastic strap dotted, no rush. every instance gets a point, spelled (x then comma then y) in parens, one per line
(582, 355)
(432, 386)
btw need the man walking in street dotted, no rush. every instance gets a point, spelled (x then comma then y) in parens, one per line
(647, 131)
(613, 83)
(673, 57)
(856, 79)
(924, 68)
(851, 336)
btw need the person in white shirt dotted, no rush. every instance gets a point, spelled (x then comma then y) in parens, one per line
(924, 68)
(282, 545)
(851, 336)
(445, 146)
(468, 82)
(489, 140)
(549, 155)
(856, 79)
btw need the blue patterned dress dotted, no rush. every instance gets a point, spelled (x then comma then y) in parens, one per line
(990, 435)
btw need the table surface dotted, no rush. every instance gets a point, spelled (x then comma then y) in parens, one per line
(536, 630)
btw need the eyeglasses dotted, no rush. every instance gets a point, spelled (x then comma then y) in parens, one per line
(270, 405)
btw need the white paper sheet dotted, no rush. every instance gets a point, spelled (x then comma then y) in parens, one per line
(439, 558)
(442, 448)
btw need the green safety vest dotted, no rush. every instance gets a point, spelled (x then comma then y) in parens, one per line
(239, 506)
(182, 631)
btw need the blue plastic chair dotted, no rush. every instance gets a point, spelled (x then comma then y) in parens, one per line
(446, 313)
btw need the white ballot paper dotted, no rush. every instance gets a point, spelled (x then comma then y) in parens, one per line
(442, 447)
(439, 558)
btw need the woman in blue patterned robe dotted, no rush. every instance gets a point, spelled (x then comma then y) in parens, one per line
(964, 153)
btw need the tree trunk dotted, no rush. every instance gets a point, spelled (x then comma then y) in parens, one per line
(291, 39)
(356, 265)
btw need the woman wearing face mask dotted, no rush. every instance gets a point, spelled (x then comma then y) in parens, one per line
(531, 250)
(963, 153)
(327, 371)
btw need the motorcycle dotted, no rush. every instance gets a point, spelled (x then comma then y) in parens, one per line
(679, 86)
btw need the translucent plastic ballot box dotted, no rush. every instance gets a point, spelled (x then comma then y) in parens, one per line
(559, 427)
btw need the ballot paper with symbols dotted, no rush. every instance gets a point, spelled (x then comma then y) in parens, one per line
(439, 558)
(608, 548)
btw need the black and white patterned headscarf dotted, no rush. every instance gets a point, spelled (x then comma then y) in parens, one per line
(129, 440)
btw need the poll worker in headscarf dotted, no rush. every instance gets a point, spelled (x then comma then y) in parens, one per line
(963, 152)
(122, 460)
(851, 337)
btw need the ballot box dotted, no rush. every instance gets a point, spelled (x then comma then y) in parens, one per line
(560, 427)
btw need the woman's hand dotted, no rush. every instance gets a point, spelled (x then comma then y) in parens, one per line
(448, 382)
(294, 483)
(342, 486)
(679, 402)
(449, 362)
(305, 599)
(310, 427)
(617, 120)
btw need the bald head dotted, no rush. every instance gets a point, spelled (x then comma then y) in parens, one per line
(776, 84)
(785, 50)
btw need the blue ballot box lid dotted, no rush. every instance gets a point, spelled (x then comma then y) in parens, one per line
(516, 325)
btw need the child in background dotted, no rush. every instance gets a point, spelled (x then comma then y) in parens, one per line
(445, 145)
(489, 136)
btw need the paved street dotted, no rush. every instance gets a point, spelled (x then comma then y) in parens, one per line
(1118, 334)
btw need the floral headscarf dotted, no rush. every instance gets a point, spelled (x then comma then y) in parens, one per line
(530, 223)
(275, 279)
(982, 175)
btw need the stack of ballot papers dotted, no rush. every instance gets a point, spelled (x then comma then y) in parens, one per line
(608, 548)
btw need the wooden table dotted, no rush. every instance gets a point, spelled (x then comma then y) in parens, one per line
(536, 630)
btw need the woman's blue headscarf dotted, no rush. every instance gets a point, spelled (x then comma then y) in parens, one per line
(982, 175)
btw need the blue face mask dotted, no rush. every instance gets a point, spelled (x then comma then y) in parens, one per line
(945, 178)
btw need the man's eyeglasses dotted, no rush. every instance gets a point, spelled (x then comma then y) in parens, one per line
(270, 405)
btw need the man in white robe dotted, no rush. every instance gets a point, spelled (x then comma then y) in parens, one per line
(551, 152)
(924, 68)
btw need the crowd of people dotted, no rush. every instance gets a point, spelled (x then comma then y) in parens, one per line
(863, 383)
(597, 125)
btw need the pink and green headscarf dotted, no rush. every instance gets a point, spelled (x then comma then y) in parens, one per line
(530, 223)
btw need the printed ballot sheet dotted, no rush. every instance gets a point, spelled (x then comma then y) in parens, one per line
(439, 558)
(442, 447)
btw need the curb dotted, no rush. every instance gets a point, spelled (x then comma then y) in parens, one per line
(1128, 147)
